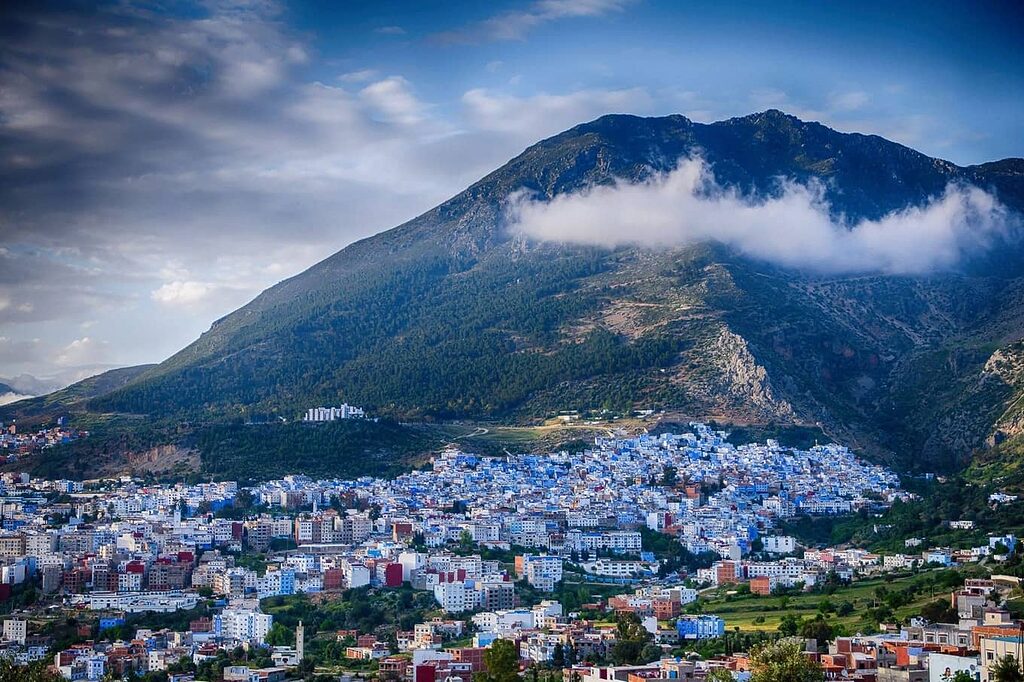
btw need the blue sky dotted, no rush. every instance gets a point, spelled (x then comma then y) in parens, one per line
(944, 77)
(160, 164)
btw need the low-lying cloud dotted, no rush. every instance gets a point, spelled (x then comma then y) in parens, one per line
(793, 229)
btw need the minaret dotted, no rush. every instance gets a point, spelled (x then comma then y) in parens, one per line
(300, 636)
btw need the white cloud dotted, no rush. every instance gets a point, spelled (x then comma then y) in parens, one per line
(360, 76)
(182, 293)
(545, 114)
(793, 229)
(848, 101)
(392, 100)
(10, 397)
(516, 24)
(83, 351)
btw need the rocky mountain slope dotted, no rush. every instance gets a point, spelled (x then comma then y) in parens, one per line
(451, 315)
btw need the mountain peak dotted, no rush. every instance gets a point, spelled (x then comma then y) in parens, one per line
(770, 117)
(450, 316)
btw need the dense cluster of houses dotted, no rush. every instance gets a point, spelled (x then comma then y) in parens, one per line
(118, 548)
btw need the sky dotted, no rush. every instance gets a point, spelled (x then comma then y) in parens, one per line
(162, 163)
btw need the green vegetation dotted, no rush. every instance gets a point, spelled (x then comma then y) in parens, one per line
(632, 641)
(731, 642)
(570, 593)
(35, 672)
(961, 497)
(783, 660)
(845, 609)
(999, 468)
(347, 448)
(110, 438)
(788, 435)
(502, 662)
(1007, 669)
(672, 555)
(175, 620)
(364, 609)
(429, 338)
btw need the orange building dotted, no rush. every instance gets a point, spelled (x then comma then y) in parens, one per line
(761, 585)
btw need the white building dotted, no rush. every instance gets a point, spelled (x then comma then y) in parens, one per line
(454, 597)
(943, 667)
(243, 625)
(612, 568)
(356, 575)
(779, 544)
(15, 630)
(330, 414)
(542, 572)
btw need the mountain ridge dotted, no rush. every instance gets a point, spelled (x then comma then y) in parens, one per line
(451, 316)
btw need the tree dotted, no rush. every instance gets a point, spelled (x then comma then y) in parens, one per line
(631, 638)
(783, 661)
(817, 629)
(939, 611)
(962, 676)
(279, 635)
(789, 625)
(558, 656)
(1006, 670)
(502, 662)
(34, 672)
(244, 499)
(650, 652)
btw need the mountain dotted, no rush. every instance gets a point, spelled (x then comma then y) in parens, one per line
(73, 397)
(451, 316)
(9, 395)
(29, 385)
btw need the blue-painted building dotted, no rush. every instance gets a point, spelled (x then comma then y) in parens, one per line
(700, 627)
(111, 622)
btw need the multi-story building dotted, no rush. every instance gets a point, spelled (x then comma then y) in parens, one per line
(12, 545)
(700, 627)
(455, 598)
(495, 596)
(542, 572)
(15, 630)
(243, 625)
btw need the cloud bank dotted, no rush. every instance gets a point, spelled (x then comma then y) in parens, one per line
(793, 229)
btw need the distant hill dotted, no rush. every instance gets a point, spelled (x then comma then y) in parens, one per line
(451, 316)
(9, 395)
(74, 397)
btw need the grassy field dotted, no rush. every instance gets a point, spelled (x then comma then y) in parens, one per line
(490, 439)
(751, 612)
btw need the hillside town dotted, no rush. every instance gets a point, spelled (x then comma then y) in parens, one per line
(603, 564)
(15, 443)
